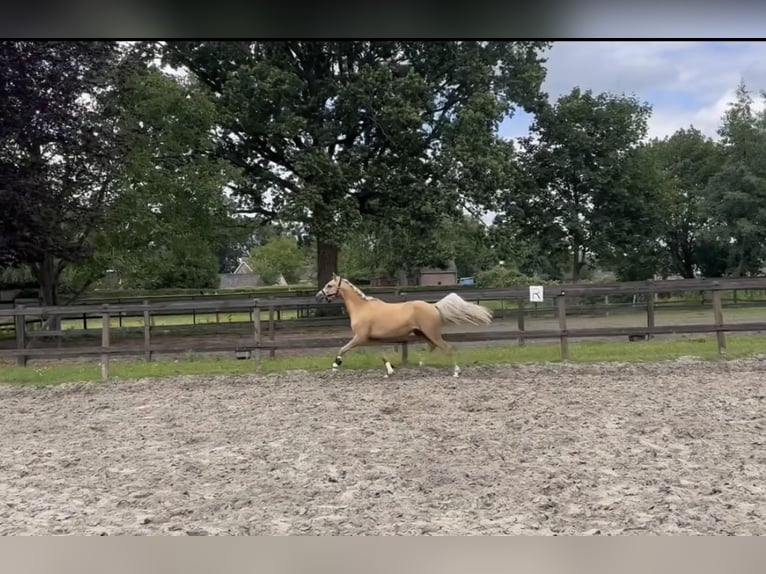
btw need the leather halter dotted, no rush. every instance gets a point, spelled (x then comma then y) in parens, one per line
(337, 290)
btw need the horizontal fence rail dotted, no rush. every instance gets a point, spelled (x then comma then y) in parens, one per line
(256, 334)
(550, 291)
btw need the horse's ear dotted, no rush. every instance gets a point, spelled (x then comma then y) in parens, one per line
(334, 276)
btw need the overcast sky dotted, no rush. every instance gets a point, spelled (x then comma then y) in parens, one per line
(687, 83)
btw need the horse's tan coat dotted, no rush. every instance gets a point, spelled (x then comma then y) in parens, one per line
(372, 319)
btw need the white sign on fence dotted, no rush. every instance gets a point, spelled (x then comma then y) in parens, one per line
(536, 293)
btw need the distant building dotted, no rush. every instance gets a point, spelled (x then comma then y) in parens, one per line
(242, 277)
(424, 276)
(383, 281)
(438, 276)
(243, 267)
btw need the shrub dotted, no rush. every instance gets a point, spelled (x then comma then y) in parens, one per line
(504, 277)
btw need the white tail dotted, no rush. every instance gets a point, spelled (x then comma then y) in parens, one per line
(456, 310)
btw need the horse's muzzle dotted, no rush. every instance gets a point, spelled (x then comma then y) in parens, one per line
(321, 296)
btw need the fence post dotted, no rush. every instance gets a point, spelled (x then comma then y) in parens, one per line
(718, 314)
(20, 326)
(272, 351)
(257, 333)
(105, 320)
(561, 311)
(650, 315)
(405, 345)
(58, 324)
(147, 332)
(521, 323)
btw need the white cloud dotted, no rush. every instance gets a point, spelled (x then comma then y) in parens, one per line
(706, 118)
(687, 83)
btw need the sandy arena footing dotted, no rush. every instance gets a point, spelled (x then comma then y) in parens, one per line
(671, 448)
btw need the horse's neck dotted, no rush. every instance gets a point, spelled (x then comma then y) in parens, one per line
(359, 292)
(351, 297)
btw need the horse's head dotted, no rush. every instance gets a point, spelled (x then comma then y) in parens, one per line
(331, 290)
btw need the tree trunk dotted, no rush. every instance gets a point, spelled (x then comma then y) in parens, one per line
(682, 257)
(576, 265)
(687, 269)
(327, 264)
(47, 274)
(687, 254)
(401, 277)
(740, 271)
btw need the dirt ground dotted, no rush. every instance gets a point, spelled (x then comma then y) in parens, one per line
(673, 448)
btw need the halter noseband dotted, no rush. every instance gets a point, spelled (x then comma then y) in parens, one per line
(337, 290)
(327, 296)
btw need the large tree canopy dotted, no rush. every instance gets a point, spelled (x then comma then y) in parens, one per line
(737, 192)
(56, 153)
(327, 133)
(171, 218)
(684, 163)
(384, 153)
(573, 173)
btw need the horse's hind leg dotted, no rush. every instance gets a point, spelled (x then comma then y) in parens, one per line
(429, 344)
(431, 348)
(450, 351)
(435, 339)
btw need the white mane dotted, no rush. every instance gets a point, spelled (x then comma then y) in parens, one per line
(360, 292)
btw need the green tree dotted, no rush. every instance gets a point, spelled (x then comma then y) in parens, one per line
(572, 181)
(171, 219)
(388, 251)
(358, 260)
(629, 219)
(281, 256)
(330, 133)
(502, 276)
(532, 253)
(471, 245)
(685, 163)
(57, 154)
(714, 253)
(230, 253)
(737, 192)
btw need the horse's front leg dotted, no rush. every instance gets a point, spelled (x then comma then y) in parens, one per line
(345, 348)
(387, 364)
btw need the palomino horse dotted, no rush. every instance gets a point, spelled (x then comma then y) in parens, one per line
(373, 319)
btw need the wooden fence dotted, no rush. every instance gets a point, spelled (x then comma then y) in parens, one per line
(260, 336)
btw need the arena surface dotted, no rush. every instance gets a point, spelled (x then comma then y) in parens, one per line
(672, 448)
